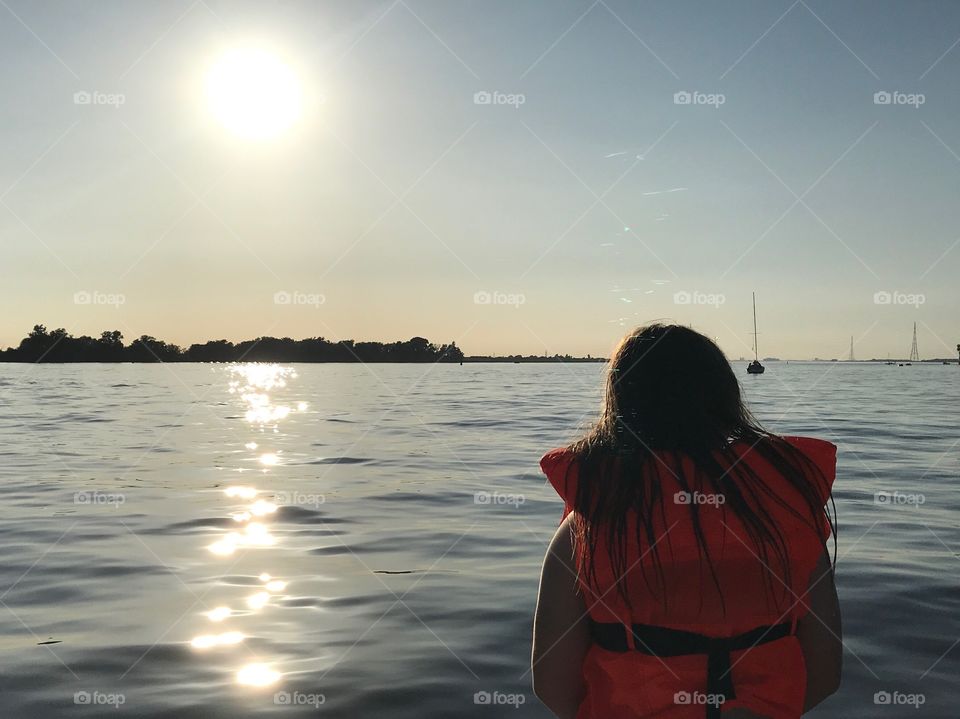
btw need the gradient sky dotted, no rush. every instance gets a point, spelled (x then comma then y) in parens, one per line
(398, 198)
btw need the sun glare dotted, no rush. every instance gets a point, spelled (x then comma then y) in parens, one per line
(253, 93)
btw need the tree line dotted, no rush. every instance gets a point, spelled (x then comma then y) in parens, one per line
(60, 346)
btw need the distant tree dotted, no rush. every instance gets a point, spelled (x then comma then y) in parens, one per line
(450, 353)
(41, 345)
(112, 338)
(213, 351)
(150, 349)
(109, 348)
(34, 345)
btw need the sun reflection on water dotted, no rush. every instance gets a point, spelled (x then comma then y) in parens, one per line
(262, 507)
(257, 675)
(258, 600)
(269, 459)
(263, 376)
(206, 641)
(218, 614)
(241, 492)
(252, 384)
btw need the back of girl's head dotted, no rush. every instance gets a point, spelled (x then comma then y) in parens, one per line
(670, 387)
(671, 392)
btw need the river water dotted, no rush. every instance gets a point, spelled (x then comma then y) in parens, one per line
(364, 541)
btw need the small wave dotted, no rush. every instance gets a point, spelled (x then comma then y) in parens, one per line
(339, 460)
(192, 526)
(301, 515)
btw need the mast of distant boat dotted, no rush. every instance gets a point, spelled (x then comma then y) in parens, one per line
(755, 367)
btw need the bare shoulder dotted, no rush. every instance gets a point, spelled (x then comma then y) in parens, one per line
(561, 546)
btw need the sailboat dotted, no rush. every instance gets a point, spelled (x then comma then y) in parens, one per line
(755, 367)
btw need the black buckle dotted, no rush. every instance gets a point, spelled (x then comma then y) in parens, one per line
(665, 642)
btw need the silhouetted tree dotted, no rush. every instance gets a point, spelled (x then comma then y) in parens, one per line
(59, 346)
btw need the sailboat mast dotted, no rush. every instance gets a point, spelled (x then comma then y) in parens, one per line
(756, 348)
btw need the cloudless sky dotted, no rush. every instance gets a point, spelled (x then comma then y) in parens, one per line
(589, 208)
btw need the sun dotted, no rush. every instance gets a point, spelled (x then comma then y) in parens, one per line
(253, 93)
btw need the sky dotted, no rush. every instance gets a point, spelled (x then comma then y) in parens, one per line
(517, 177)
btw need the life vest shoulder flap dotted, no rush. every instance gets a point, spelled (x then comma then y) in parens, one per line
(559, 467)
(823, 454)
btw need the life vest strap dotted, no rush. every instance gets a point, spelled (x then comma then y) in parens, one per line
(665, 642)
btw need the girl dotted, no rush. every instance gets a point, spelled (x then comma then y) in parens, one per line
(690, 575)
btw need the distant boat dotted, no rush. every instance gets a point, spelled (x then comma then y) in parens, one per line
(755, 367)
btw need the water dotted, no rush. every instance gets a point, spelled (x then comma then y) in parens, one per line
(117, 535)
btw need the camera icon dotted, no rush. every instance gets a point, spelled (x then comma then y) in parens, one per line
(482, 698)
(81, 698)
(282, 298)
(881, 698)
(681, 298)
(482, 298)
(681, 498)
(284, 698)
(82, 298)
(882, 298)
(482, 98)
(881, 498)
(681, 698)
(481, 498)
(682, 98)
(81, 498)
(882, 98)
(82, 98)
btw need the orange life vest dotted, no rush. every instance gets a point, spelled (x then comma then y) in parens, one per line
(763, 668)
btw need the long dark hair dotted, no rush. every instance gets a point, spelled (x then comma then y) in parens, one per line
(671, 394)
